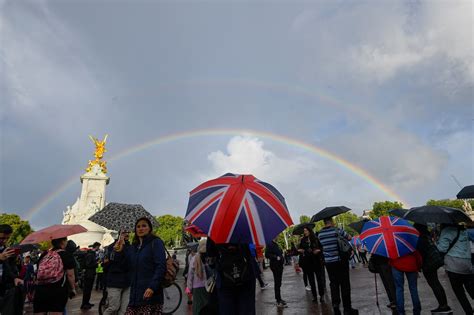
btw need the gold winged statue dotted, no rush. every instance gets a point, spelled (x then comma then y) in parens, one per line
(98, 154)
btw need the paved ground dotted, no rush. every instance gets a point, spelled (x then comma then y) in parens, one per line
(299, 300)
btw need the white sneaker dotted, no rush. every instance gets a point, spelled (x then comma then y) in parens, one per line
(308, 288)
(281, 305)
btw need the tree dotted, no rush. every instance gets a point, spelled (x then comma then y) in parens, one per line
(20, 227)
(344, 219)
(381, 208)
(304, 219)
(169, 229)
(456, 203)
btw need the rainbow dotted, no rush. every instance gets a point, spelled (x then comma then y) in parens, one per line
(358, 171)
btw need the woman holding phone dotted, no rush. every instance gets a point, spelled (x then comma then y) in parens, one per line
(146, 261)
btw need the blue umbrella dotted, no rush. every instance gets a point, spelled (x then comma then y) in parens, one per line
(390, 237)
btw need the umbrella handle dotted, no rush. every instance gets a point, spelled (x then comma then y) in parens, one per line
(376, 291)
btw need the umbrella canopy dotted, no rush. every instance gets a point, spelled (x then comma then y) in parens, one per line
(298, 229)
(355, 241)
(195, 231)
(437, 214)
(121, 216)
(398, 212)
(53, 232)
(357, 226)
(390, 237)
(466, 193)
(329, 212)
(238, 209)
(24, 248)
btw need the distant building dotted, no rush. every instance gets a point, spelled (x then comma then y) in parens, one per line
(366, 214)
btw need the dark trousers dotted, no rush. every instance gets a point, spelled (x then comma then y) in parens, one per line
(363, 257)
(340, 283)
(87, 290)
(459, 282)
(305, 278)
(99, 282)
(320, 278)
(438, 290)
(256, 269)
(237, 300)
(277, 270)
(308, 269)
(385, 272)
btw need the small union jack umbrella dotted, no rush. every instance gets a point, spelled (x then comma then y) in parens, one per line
(390, 237)
(238, 209)
(355, 241)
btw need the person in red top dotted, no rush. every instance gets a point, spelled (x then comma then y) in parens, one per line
(408, 265)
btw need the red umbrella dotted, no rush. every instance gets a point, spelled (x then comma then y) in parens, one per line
(53, 232)
(195, 231)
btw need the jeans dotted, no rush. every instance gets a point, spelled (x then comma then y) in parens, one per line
(398, 276)
(118, 300)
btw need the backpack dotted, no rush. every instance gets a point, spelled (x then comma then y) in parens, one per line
(345, 248)
(433, 259)
(172, 267)
(233, 266)
(50, 268)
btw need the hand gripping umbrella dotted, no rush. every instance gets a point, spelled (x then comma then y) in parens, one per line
(121, 216)
(390, 237)
(329, 212)
(238, 209)
(53, 232)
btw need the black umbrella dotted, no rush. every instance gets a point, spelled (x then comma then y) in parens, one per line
(329, 212)
(357, 226)
(24, 248)
(121, 216)
(298, 229)
(466, 193)
(436, 214)
(398, 212)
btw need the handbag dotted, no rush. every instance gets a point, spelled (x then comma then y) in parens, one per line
(210, 283)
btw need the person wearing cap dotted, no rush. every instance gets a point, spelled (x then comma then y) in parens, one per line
(197, 278)
(89, 275)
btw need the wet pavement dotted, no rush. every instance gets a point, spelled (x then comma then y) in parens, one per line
(300, 301)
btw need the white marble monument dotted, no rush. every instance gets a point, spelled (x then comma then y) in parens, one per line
(91, 200)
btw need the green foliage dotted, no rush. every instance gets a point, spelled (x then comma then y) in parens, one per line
(169, 228)
(304, 219)
(20, 227)
(381, 208)
(344, 219)
(457, 203)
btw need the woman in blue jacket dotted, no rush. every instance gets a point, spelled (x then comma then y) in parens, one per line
(146, 262)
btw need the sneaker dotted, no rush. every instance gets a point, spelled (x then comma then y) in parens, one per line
(281, 305)
(264, 286)
(308, 288)
(283, 302)
(441, 309)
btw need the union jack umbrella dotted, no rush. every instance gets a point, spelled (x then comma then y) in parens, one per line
(355, 241)
(238, 209)
(390, 237)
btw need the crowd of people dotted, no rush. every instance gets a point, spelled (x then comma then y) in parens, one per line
(222, 278)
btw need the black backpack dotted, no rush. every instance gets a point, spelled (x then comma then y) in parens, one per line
(233, 264)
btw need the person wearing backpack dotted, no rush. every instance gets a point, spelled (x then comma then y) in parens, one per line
(146, 262)
(454, 243)
(432, 261)
(337, 266)
(54, 280)
(235, 278)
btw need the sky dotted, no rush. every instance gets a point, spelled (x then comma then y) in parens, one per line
(332, 102)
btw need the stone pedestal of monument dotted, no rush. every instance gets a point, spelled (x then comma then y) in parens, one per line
(92, 199)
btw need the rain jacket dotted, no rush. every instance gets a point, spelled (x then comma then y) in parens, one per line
(117, 275)
(462, 247)
(147, 267)
(408, 263)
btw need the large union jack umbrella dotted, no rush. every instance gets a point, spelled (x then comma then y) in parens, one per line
(390, 237)
(355, 241)
(238, 209)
